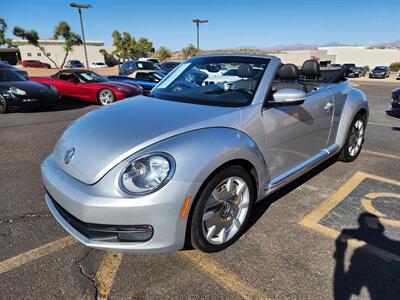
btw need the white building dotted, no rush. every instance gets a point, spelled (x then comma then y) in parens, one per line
(363, 56)
(54, 48)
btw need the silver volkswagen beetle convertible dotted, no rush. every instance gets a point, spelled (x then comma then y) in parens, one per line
(188, 162)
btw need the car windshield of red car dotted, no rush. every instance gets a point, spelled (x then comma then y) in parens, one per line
(91, 77)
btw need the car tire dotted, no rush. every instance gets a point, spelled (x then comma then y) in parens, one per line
(3, 105)
(354, 139)
(222, 210)
(105, 97)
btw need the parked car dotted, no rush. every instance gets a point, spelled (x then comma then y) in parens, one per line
(380, 72)
(4, 62)
(335, 65)
(189, 163)
(362, 71)
(169, 66)
(20, 72)
(18, 92)
(98, 65)
(394, 108)
(89, 86)
(73, 64)
(131, 66)
(146, 79)
(150, 59)
(398, 76)
(35, 64)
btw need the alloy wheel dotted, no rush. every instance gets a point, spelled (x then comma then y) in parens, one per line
(106, 97)
(356, 138)
(226, 210)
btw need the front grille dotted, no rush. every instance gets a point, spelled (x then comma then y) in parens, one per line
(106, 233)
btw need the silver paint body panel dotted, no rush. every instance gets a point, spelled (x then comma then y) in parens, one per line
(280, 142)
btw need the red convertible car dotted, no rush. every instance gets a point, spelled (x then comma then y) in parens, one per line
(90, 86)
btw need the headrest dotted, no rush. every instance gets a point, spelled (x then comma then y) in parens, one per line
(245, 71)
(310, 69)
(288, 72)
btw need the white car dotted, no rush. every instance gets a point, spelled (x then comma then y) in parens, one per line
(98, 65)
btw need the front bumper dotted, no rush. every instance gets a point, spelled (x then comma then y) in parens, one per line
(16, 101)
(97, 204)
(377, 75)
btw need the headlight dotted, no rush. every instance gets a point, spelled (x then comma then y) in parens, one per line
(17, 91)
(147, 173)
(54, 89)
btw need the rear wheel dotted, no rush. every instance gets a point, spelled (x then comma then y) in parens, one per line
(354, 139)
(105, 97)
(3, 105)
(222, 210)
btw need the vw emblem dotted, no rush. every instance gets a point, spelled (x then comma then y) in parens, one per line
(69, 155)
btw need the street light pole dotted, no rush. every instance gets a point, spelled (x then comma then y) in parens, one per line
(79, 6)
(198, 21)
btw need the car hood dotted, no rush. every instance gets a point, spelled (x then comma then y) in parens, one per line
(119, 84)
(30, 87)
(103, 138)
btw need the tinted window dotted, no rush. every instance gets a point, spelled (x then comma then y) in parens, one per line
(142, 76)
(145, 65)
(7, 75)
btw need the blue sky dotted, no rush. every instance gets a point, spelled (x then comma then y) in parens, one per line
(232, 23)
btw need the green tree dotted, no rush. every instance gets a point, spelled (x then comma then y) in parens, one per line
(71, 39)
(189, 51)
(3, 29)
(143, 48)
(395, 67)
(123, 45)
(63, 30)
(163, 53)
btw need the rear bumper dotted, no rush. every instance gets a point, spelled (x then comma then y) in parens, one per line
(91, 204)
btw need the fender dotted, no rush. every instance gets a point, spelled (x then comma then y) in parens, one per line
(200, 152)
(356, 101)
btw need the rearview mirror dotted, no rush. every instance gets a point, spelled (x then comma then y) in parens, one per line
(289, 96)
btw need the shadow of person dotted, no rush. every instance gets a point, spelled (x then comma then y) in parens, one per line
(380, 277)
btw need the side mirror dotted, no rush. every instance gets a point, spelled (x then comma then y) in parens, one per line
(289, 97)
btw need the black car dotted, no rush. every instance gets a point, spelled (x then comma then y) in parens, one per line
(20, 72)
(131, 66)
(18, 92)
(394, 109)
(380, 72)
(168, 66)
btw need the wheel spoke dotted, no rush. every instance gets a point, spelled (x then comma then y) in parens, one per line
(240, 189)
(222, 236)
(230, 185)
(243, 205)
(236, 224)
(211, 232)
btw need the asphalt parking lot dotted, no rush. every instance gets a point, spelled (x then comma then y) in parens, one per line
(312, 240)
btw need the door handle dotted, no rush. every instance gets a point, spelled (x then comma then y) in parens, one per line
(328, 106)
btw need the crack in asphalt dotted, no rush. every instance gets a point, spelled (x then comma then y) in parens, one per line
(24, 217)
(90, 277)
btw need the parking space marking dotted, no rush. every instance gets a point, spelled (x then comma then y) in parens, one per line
(26, 257)
(311, 221)
(380, 124)
(224, 277)
(381, 154)
(366, 202)
(106, 273)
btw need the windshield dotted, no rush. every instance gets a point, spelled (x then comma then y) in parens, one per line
(380, 69)
(7, 75)
(201, 80)
(91, 77)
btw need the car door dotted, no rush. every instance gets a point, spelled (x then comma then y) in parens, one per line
(295, 133)
(67, 84)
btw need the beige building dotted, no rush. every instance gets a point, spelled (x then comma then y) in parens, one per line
(55, 49)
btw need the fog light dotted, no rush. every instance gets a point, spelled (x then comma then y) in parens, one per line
(134, 233)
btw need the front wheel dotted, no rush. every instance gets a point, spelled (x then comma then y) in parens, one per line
(222, 210)
(105, 97)
(354, 139)
(3, 105)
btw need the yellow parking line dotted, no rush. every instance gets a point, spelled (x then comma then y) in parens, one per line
(381, 154)
(106, 273)
(224, 277)
(24, 258)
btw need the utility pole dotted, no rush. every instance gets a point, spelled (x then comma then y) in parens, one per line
(79, 6)
(198, 21)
